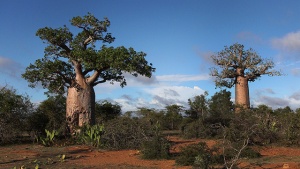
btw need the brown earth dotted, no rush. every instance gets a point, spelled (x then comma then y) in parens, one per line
(84, 157)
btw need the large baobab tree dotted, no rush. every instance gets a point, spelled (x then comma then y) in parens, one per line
(72, 63)
(236, 67)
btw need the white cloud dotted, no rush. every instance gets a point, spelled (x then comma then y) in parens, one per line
(290, 42)
(10, 67)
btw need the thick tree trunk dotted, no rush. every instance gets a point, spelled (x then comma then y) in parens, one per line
(242, 93)
(80, 107)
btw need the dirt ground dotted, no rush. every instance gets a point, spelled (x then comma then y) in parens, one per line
(84, 157)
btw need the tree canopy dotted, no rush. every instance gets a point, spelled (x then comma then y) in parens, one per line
(69, 57)
(235, 61)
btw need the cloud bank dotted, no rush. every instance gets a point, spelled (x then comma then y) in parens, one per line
(156, 92)
(267, 97)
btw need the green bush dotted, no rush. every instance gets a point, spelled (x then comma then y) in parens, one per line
(14, 109)
(156, 148)
(197, 129)
(197, 155)
(289, 128)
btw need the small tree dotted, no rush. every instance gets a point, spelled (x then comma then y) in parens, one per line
(237, 67)
(54, 109)
(173, 117)
(14, 109)
(220, 107)
(73, 63)
(107, 111)
(198, 107)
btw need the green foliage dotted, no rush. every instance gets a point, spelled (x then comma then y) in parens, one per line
(220, 107)
(151, 115)
(107, 111)
(289, 127)
(91, 135)
(50, 114)
(54, 109)
(49, 139)
(197, 155)
(173, 117)
(14, 109)
(198, 107)
(195, 129)
(156, 147)
(37, 122)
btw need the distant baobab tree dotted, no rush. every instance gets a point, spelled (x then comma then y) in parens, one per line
(236, 67)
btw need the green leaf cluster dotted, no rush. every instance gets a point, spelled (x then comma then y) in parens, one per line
(92, 135)
(49, 139)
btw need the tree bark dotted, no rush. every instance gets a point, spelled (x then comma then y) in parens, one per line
(80, 107)
(242, 93)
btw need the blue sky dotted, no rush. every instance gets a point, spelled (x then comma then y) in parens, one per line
(178, 36)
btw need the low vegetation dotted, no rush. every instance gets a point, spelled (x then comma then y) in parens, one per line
(146, 129)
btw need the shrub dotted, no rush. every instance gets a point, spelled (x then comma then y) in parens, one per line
(195, 129)
(156, 147)
(198, 155)
(289, 125)
(13, 111)
(126, 133)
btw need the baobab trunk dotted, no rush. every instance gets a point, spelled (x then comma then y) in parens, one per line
(242, 93)
(80, 107)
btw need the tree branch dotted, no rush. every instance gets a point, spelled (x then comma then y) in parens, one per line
(67, 80)
(101, 81)
(65, 47)
(86, 71)
(94, 77)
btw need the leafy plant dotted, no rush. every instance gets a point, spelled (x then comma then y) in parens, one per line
(157, 147)
(92, 134)
(49, 139)
(198, 155)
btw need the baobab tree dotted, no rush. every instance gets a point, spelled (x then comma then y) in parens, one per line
(72, 63)
(236, 67)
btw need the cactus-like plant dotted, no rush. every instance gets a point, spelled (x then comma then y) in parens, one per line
(49, 139)
(92, 135)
